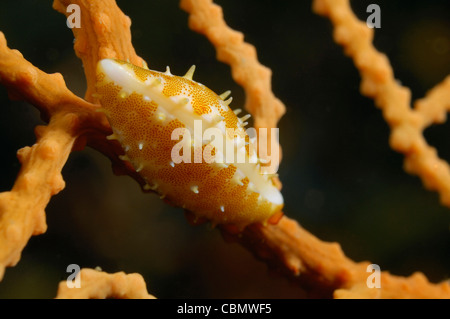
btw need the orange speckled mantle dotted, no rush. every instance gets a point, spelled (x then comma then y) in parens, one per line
(144, 107)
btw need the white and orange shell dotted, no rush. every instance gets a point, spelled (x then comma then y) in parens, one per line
(144, 107)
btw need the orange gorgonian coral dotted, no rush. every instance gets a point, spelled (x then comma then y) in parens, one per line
(321, 268)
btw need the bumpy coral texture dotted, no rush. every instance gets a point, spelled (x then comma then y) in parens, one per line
(322, 267)
(100, 285)
(378, 82)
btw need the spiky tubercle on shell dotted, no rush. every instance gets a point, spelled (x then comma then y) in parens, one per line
(144, 107)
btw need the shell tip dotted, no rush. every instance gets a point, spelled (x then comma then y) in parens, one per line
(225, 94)
(190, 73)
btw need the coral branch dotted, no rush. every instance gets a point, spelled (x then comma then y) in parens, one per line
(47, 92)
(100, 285)
(206, 18)
(104, 33)
(378, 82)
(323, 268)
(22, 209)
(70, 117)
(302, 257)
(422, 159)
(298, 254)
(434, 107)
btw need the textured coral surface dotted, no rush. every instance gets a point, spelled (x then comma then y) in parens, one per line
(340, 179)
